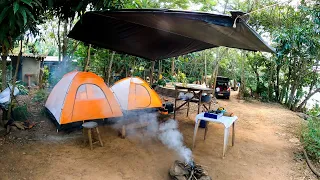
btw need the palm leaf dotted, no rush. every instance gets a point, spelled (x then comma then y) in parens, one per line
(28, 2)
(24, 15)
(15, 7)
(3, 14)
(30, 15)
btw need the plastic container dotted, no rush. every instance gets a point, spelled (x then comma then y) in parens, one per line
(213, 115)
(206, 98)
(203, 124)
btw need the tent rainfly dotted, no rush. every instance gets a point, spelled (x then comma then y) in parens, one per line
(134, 93)
(157, 34)
(80, 96)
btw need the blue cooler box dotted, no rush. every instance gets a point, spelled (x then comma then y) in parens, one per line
(213, 115)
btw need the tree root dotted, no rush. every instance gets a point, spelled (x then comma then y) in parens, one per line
(313, 169)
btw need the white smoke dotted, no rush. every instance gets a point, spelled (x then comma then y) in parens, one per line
(171, 137)
(167, 132)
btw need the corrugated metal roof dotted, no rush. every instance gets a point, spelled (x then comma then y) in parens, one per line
(29, 55)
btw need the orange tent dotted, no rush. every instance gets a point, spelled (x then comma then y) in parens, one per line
(134, 93)
(82, 96)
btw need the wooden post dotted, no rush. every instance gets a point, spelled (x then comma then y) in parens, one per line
(90, 138)
(123, 131)
(88, 59)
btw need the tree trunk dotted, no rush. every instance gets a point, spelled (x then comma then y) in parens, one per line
(257, 79)
(4, 69)
(41, 74)
(270, 83)
(287, 86)
(313, 83)
(292, 93)
(307, 98)
(205, 68)
(65, 44)
(59, 41)
(159, 68)
(151, 73)
(172, 66)
(215, 77)
(87, 60)
(242, 85)
(110, 67)
(277, 88)
(14, 81)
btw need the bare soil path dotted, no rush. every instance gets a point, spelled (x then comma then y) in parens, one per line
(266, 148)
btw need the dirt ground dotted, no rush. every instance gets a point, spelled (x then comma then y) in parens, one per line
(267, 147)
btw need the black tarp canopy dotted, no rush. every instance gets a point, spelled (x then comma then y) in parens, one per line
(156, 34)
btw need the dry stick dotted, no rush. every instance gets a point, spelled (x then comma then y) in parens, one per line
(14, 80)
(313, 169)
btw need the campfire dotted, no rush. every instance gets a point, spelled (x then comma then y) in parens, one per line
(185, 171)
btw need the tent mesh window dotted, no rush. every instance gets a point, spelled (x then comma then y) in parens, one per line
(89, 92)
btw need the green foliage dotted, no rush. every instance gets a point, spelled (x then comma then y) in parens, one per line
(16, 18)
(181, 77)
(311, 134)
(40, 96)
(45, 75)
(161, 82)
(21, 113)
(22, 88)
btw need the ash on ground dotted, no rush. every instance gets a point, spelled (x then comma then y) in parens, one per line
(185, 171)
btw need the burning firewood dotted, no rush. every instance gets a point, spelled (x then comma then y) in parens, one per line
(188, 171)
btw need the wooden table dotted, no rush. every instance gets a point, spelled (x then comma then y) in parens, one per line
(197, 91)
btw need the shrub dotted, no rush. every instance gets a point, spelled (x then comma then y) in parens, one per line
(161, 82)
(20, 113)
(40, 96)
(181, 77)
(311, 134)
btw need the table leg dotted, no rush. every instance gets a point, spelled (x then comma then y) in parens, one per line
(206, 130)
(199, 103)
(233, 133)
(174, 110)
(195, 133)
(225, 141)
(188, 109)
